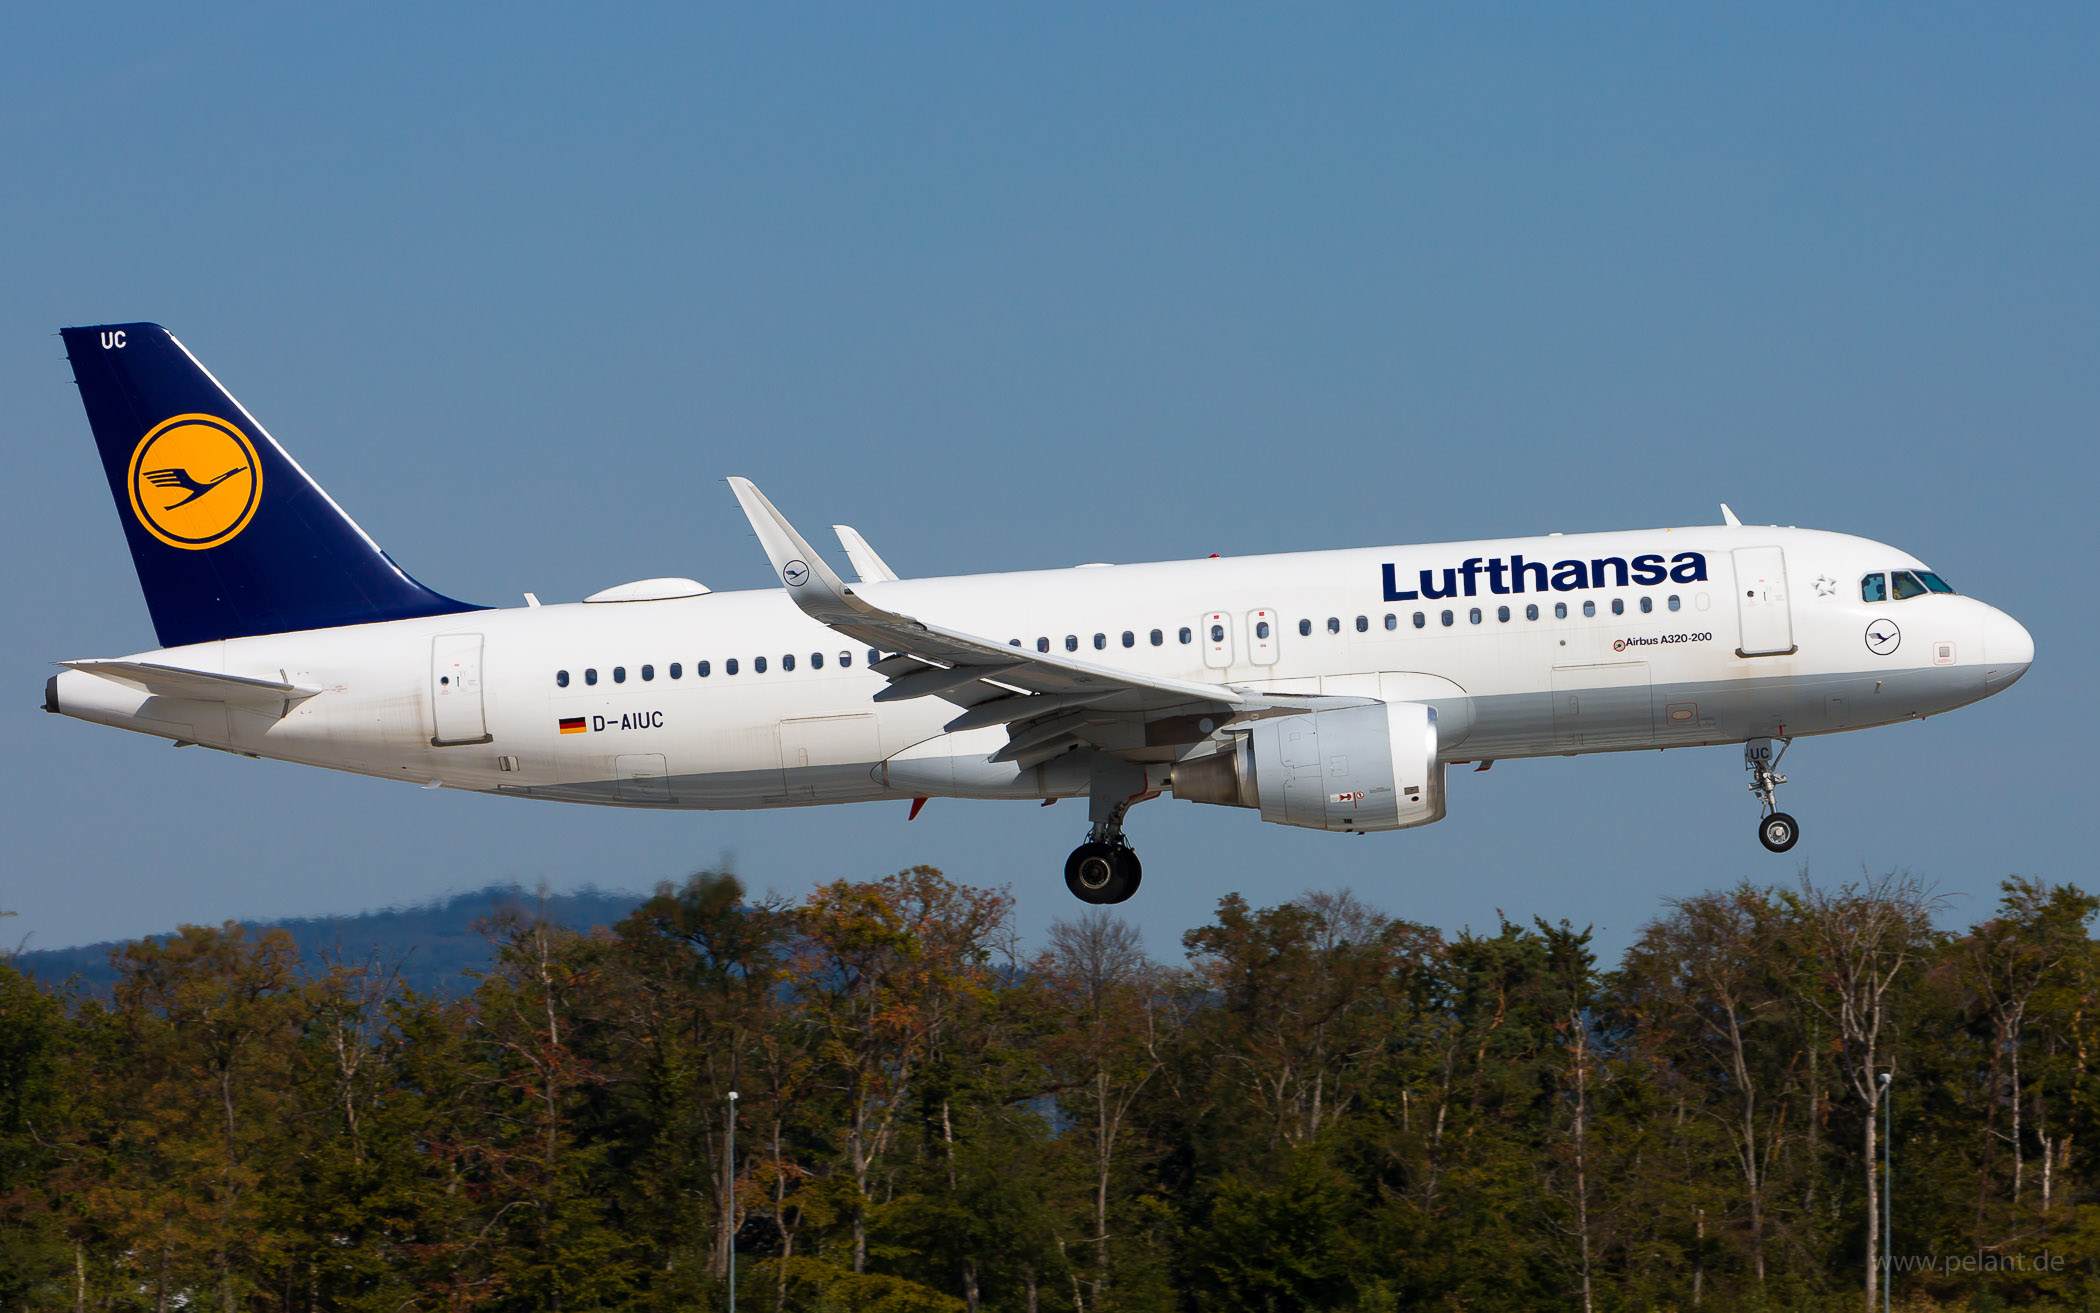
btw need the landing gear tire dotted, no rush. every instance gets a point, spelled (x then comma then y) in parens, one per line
(1103, 873)
(1778, 832)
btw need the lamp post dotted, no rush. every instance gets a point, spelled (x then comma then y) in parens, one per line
(729, 1167)
(1888, 1190)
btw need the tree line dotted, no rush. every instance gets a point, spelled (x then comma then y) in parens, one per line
(1318, 1106)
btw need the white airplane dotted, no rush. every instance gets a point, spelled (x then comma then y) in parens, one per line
(1328, 690)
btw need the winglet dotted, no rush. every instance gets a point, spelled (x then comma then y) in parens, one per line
(871, 568)
(1728, 517)
(821, 594)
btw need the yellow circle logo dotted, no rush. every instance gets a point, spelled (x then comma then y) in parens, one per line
(195, 481)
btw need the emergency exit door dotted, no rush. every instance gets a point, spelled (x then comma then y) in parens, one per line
(1760, 602)
(455, 690)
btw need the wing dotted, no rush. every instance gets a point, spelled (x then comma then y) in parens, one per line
(1050, 704)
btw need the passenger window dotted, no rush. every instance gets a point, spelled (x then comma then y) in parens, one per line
(788, 662)
(1391, 621)
(1071, 642)
(677, 671)
(1334, 624)
(1305, 629)
(1447, 619)
(816, 661)
(1874, 588)
(1474, 615)
(703, 669)
(758, 665)
(729, 666)
(1589, 608)
(1647, 604)
(1217, 633)
(1906, 585)
(1363, 624)
(1531, 611)
(1158, 638)
(1934, 582)
(648, 673)
(590, 674)
(1674, 603)
(1420, 620)
(1187, 635)
(1560, 610)
(1129, 639)
(619, 674)
(1502, 614)
(1618, 606)
(561, 679)
(1042, 645)
(1101, 642)
(1261, 629)
(846, 658)
(874, 656)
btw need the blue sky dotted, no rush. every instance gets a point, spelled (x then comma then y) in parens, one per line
(1009, 288)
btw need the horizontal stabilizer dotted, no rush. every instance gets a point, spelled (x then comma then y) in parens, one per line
(199, 685)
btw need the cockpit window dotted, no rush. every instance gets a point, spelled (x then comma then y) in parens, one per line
(1907, 585)
(1934, 582)
(1874, 588)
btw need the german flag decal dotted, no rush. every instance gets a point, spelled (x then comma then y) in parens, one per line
(572, 725)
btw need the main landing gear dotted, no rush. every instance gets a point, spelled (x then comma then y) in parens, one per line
(1104, 869)
(1777, 831)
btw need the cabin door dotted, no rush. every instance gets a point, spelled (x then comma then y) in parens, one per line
(1760, 600)
(455, 690)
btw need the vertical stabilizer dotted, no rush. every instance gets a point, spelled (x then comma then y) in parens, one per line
(230, 536)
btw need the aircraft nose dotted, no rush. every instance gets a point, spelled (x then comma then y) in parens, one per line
(2008, 649)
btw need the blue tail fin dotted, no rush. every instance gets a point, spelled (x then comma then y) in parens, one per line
(230, 536)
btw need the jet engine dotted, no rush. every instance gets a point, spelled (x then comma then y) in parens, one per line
(1350, 770)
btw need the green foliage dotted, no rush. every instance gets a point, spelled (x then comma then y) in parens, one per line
(1323, 1108)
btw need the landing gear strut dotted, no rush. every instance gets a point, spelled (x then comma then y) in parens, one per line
(1777, 831)
(1104, 869)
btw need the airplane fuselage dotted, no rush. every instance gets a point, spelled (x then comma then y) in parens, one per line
(1676, 638)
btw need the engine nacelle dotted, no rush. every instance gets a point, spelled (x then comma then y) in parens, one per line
(1350, 770)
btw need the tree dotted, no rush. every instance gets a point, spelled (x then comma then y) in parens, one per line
(1853, 942)
(1097, 975)
(1698, 987)
(879, 968)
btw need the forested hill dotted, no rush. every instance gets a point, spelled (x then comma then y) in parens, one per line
(434, 943)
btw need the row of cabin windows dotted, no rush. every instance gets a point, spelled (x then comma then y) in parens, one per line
(1187, 635)
(702, 669)
(1475, 615)
(1157, 637)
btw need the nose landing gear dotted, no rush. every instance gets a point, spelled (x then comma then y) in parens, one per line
(1777, 831)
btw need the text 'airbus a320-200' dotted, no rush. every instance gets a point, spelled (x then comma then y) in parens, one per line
(1327, 690)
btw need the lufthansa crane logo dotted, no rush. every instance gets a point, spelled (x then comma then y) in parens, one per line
(195, 481)
(1883, 637)
(794, 574)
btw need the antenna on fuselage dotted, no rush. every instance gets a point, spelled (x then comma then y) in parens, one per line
(1728, 517)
